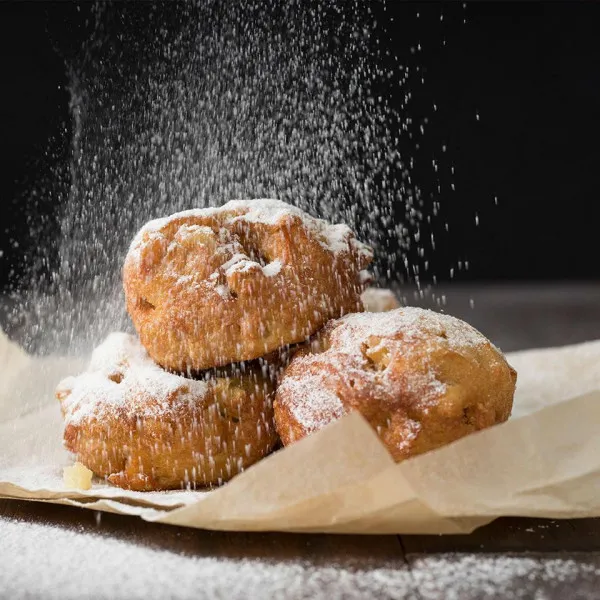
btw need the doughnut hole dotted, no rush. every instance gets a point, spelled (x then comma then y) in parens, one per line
(249, 281)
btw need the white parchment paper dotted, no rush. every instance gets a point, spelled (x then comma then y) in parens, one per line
(544, 462)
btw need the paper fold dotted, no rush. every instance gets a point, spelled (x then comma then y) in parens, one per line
(543, 462)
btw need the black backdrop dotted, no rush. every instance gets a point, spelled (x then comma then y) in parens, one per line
(531, 71)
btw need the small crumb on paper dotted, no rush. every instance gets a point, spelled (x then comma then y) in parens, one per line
(77, 477)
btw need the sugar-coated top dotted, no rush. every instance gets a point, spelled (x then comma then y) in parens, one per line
(411, 322)
(310, 391)
(121, 373)
(335, 238)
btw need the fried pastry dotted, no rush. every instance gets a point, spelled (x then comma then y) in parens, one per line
(213, 286)
(420, 378)
(143, 428)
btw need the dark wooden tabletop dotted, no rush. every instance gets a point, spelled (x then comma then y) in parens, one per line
(51, 551)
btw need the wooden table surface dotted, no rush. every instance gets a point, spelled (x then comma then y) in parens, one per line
(51, 551)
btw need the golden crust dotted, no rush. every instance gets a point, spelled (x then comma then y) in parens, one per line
(210, 287)
(421, 379)
(142, 428)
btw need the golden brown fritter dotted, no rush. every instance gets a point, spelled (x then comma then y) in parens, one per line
(209, 287)
(143, 428)
(420, 378)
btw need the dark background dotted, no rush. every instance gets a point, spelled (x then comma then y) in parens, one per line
(530, 70)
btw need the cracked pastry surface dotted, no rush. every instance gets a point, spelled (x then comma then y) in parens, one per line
(420, 378)
(143, 428)
(213, 286)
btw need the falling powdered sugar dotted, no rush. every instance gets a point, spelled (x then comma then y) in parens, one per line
(214, 235)
(190, 104)
(336, 238)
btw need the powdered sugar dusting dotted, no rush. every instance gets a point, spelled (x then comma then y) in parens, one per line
(488, 576)
(179, 567)
(357, 350)
(412, 322)
(222, 290)
(242, 266)
(365, 336)
(233, 261)
(362, 337)
(311, 403)
(175, 567)
(273, 268)
(269, 211)
(50, 477)
(335, 238)
(120, 372)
